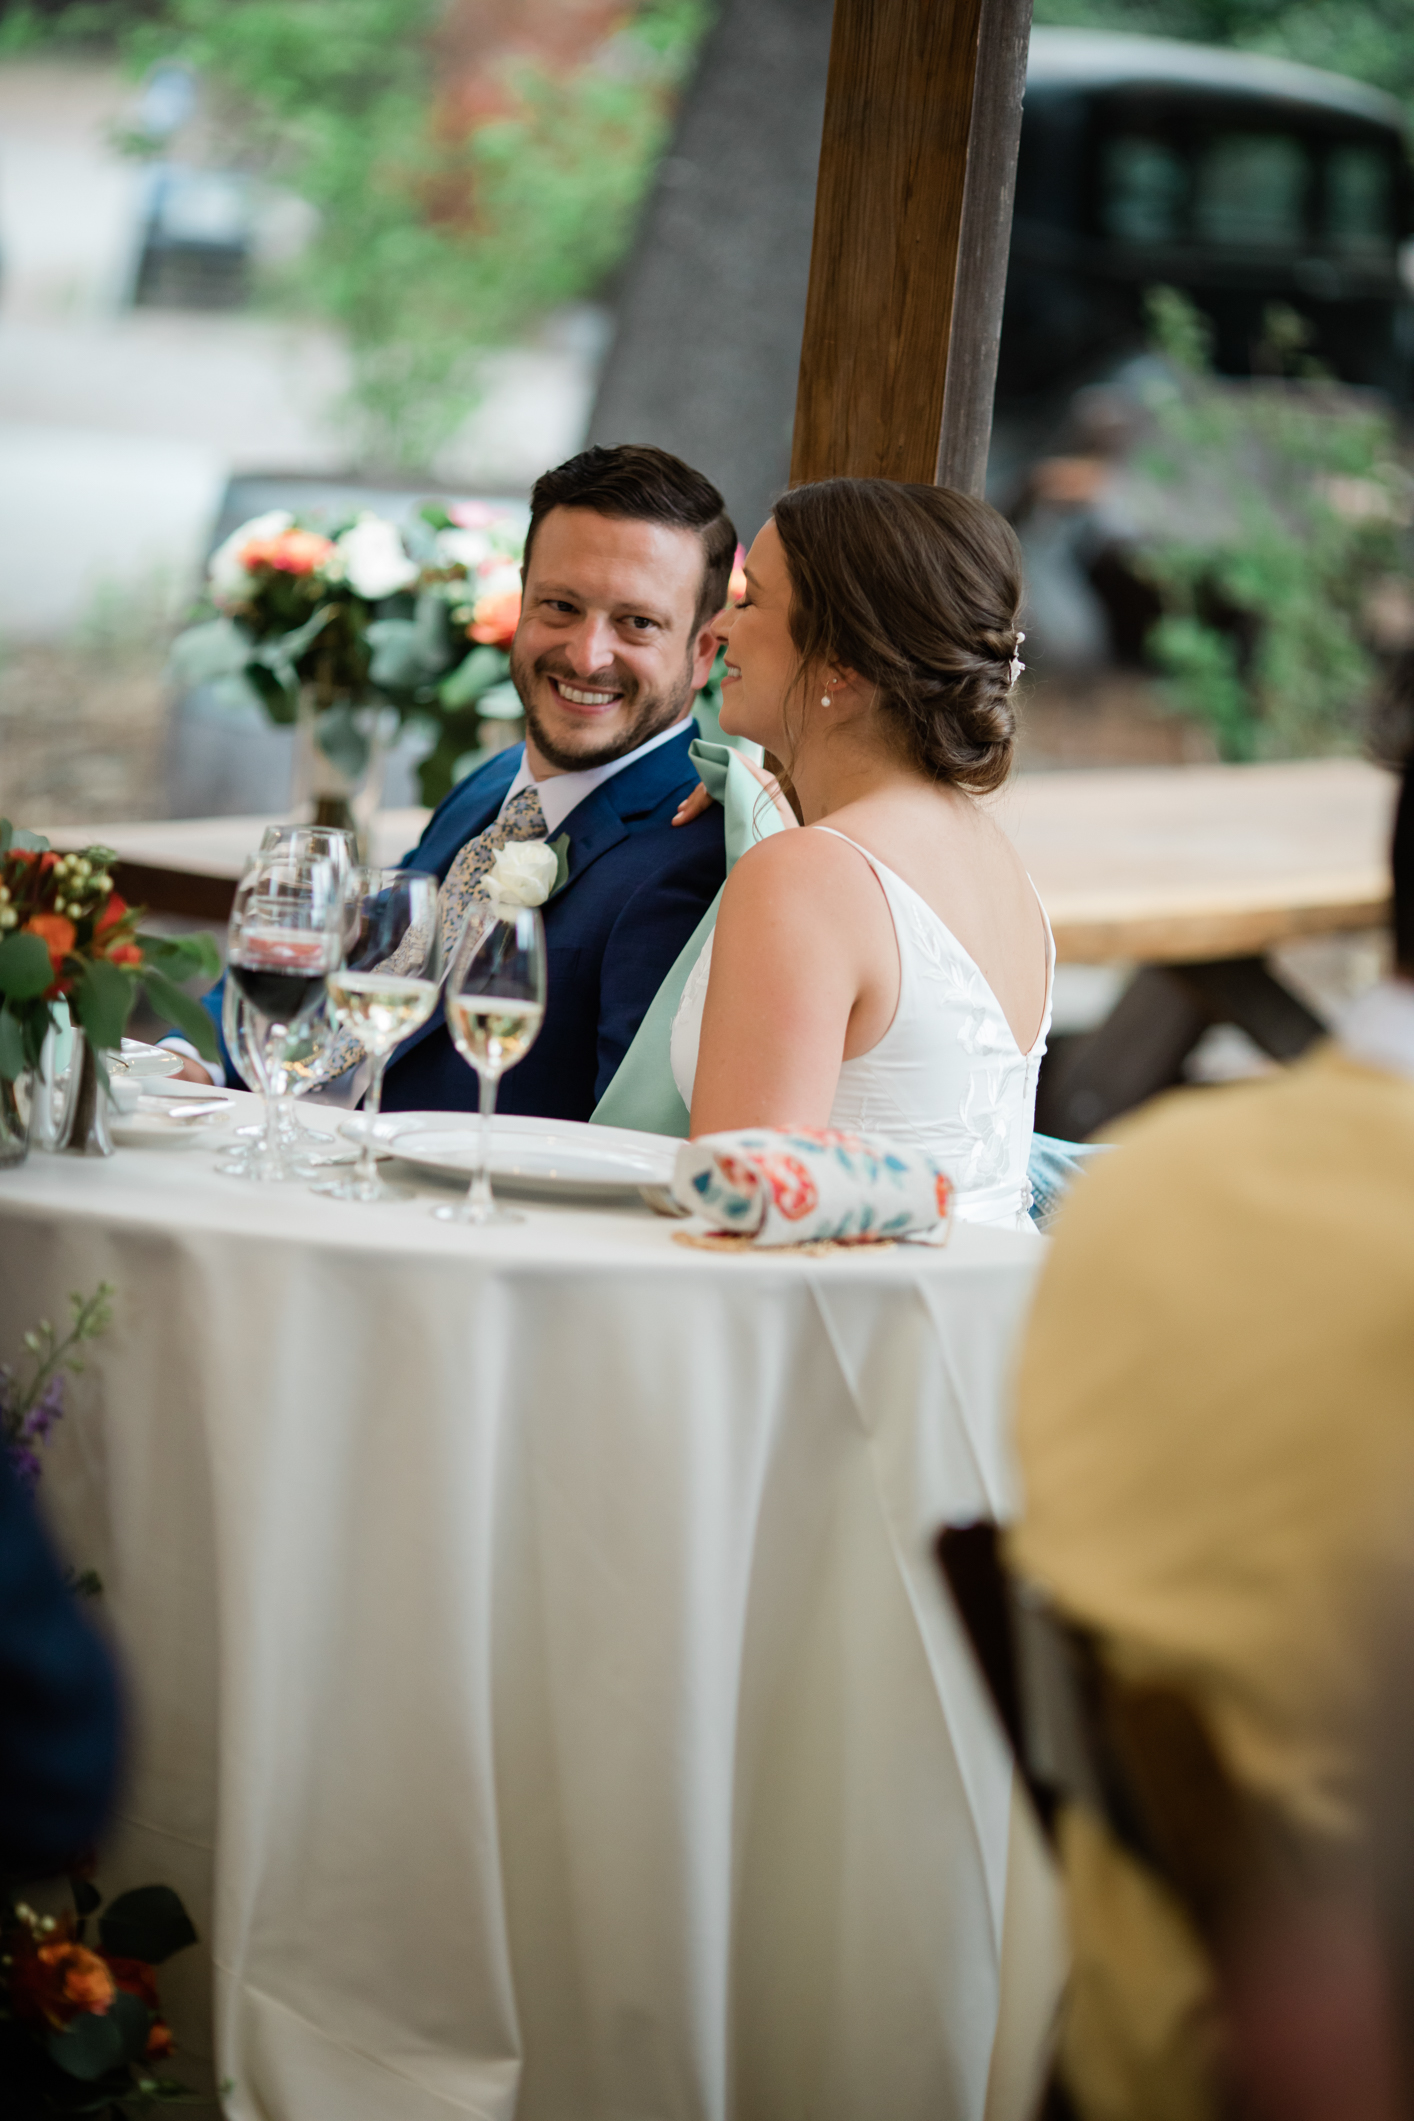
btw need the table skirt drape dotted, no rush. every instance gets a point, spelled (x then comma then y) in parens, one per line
(543, 1693)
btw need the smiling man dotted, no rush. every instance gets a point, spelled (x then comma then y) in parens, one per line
(627, 560)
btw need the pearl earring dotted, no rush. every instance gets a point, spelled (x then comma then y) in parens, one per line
(825, 697)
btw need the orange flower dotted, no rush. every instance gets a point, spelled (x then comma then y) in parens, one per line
(736, 585)
(113, 910)
(138, 1979)
(56, 931)
(494, 619)
(291, 552)
(59, 1981)
(125, 954)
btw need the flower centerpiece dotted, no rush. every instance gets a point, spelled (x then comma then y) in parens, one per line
(67, 935)
(353, 630)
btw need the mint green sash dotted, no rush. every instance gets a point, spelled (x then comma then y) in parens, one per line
(643, 1093)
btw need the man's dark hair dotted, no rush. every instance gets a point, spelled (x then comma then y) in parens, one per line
(640, 484)
(1402, 865)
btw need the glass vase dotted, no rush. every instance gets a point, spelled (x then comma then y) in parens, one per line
(83, 1121)
(331, 790)
(16, 1104)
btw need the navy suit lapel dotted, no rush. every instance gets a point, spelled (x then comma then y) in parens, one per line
(607, 812)
(592, 827)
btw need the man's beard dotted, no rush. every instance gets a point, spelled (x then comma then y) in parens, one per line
(649, 712)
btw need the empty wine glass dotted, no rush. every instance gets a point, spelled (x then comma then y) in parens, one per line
(286, 934)
(386, 988)
(495, 1002)
(320, 843)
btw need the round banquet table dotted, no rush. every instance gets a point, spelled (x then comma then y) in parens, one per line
(543, 1695)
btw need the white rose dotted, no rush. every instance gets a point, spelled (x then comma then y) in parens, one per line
(374, 562)
(523, 873)
(463, 548)
(497, 578)
(227, 579)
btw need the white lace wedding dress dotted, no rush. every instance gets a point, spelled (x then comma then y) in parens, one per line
(946, 1076)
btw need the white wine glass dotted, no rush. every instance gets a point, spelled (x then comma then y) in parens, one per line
(286, 935)
(386, 989)
(495, 1003)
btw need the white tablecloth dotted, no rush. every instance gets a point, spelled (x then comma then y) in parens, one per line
(544, 1696)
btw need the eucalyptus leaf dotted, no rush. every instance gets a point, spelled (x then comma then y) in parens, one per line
(501, 704)
(287, 648)
(463, 687)
(202, 654)
(186, 1015)
(13, 1059)
(236, 694)
(102, 1001)
(89, 2046)
(32, 842)
(148, 1923)
(25, 969)
(182, 957)
(397, 654)
(341, 740)
(7, 833)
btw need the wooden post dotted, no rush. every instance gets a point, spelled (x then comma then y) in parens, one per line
(912, 223)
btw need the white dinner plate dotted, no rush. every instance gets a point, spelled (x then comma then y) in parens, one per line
(548, 1156)
(149, 1130)
(140, 1063)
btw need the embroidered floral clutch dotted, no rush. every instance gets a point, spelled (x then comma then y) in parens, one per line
(797, 1185)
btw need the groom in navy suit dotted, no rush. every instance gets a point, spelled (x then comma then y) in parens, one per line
(627, 560)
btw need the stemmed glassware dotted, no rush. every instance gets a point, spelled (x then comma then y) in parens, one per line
(286, 935)
(495, 1003)
(318, 843)
(302, 1063)
(386, 988)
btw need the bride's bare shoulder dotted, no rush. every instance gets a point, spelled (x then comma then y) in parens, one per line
(794, 864)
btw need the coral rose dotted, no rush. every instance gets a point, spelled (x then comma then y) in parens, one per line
(59, 1981)
(494, 619)
(114, 911)
(56, 931)
(290, 552)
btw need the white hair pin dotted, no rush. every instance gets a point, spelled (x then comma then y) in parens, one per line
(1017, 666)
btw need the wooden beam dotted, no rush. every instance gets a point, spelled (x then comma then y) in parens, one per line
(984, 244)
(916, 167)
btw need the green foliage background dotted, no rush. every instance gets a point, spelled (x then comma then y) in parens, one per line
(1279, 505)
(1371, 40)
(337, 99)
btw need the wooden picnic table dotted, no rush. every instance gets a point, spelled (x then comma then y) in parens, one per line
(1191, 873)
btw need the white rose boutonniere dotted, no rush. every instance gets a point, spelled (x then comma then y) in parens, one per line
(523, 873)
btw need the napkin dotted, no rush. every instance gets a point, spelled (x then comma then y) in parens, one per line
(798, 1184)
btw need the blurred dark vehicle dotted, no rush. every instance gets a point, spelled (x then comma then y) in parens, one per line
(1243, 181)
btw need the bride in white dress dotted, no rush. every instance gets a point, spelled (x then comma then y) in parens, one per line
(888, 969)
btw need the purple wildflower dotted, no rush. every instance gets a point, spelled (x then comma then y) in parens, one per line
(47, 1409)
(25, 1463)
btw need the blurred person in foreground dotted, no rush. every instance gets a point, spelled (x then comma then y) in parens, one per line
(1216, 1435)
(59, 1714)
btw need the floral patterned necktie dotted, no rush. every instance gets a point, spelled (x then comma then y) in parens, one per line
(522, 819)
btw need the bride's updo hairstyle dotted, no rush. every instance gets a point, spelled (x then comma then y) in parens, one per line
(917, 589)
